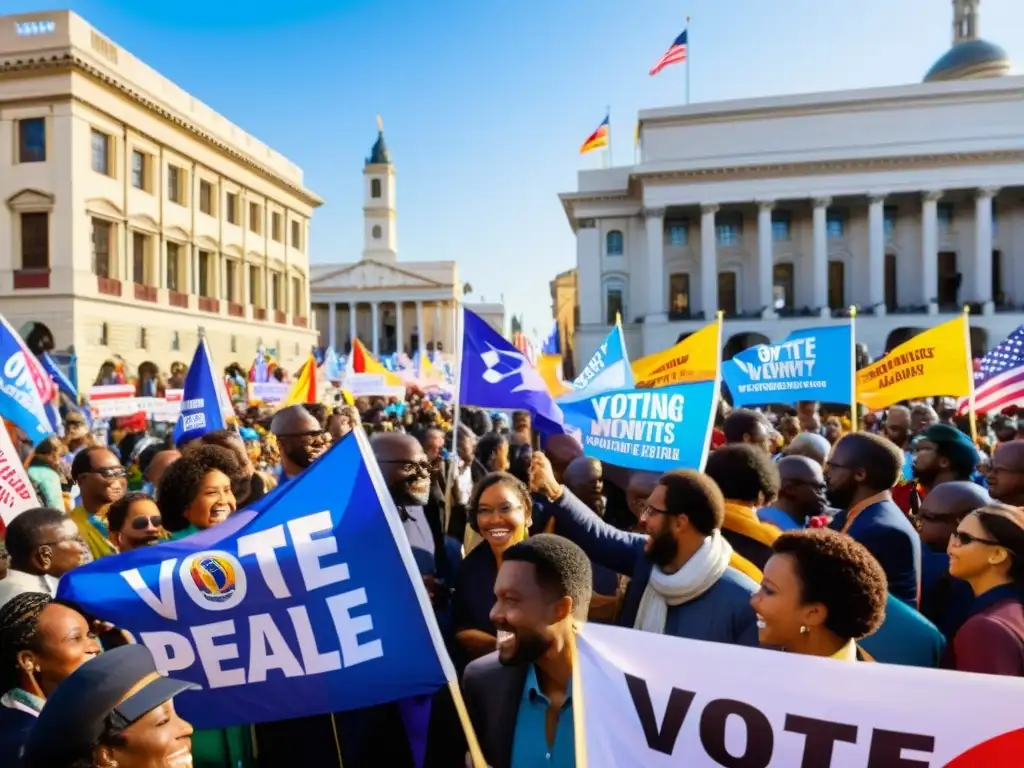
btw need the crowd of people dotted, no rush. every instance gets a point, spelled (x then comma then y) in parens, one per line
(900, 542)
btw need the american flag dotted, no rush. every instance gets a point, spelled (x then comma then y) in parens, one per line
(674, 55)
(523, 343)
(999, 381)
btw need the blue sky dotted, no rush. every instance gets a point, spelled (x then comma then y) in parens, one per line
(485, 104)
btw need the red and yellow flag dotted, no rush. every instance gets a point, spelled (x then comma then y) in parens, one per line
(304, 388)
(598, 138)
(362, 361)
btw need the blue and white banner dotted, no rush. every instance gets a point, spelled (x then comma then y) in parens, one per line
(307, 602)
(607, 369)
(23, 382)
(655, 430)
(201, 407)
(811, 364)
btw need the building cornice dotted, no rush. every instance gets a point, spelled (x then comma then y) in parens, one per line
(69, 62)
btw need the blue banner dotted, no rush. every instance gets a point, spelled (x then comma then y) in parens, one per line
(20, 372)
(200, 399)
(811, 364)
(655, 430)
(305, 603)
(608, 368)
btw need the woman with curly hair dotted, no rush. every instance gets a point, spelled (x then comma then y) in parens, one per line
(195, 491)
(822, 591)
(41, 643)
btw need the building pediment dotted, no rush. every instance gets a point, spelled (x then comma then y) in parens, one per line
(30, 200)
(372, 275)
(233, 250)
(177, 233)
(206, 243)
(102, 206)
(143, 222)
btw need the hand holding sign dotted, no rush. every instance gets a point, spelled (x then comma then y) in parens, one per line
(542, 478)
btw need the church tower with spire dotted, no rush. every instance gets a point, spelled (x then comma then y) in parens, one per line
(379, 217)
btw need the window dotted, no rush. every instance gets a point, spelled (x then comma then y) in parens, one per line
(142, 338)
(254, 218)
(205, 267)
(275, 291)
(783, 288)
(729, 230)
(944, 214)
(175, 342)
(376, 231)
(679, 293)
(231, 204)
(889, 221)
(678, 233)
(949, 280)
(173, 267)
(995, 222)
(613, 243)
(836, 285)
(174, 184)
(234, 344)
(375, 188)
(835, 225)
(139, 272)
(206, 197)
(891, 302)
(230, 276)
(254, 285)
(138, 169)
(297, 235)
(296, 297)
(32, 140)
(782, 227)
(614, 301)
(102, 239)
(100, 152)
(35, 241)
(726, 294)
(275, 227)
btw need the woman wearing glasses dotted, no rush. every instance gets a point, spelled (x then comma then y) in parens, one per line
(134, 521)
(987, 551)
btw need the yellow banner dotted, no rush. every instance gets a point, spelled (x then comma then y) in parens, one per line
(693, 359)
(550, 369)
(934, 363)
(304, 388)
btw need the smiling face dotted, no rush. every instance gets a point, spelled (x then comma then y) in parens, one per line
(64, 642)
(523, 614)
(142, 526)
(779, 604)
(972, 550)
(214, 501)
(406, 469)
(159, 739)
(501, 518)
(105, 482)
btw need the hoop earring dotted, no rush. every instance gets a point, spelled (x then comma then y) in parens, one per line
(804, 629)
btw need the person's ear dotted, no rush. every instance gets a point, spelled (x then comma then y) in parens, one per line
(44, 556)
(562, 609)
(103, 757)
(814, 615)
(998, 556)
(26, 662)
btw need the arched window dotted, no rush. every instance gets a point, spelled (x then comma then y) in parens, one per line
(613, 243)
(374, 188)
(376, 231)
(614, 300)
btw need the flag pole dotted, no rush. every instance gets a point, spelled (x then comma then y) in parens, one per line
(689, 49)
(971, 415)
(456, 418)
(854, 421)
(609, 115)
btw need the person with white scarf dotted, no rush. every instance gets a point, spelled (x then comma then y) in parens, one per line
(685, 579)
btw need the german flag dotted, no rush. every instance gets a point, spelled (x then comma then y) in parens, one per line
(598, 138)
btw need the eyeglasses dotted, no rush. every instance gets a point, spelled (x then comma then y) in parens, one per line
(648, 511)
(963, 539)
(310, 435)
(64, 539)
(422, 467)
(142, 522)
(108, 473)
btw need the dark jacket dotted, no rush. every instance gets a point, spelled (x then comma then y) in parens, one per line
(14, 728)
(492, 693)
(889, 536)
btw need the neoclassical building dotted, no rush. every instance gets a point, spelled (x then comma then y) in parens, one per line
(133, 214)
(388, 305)
(782, 212)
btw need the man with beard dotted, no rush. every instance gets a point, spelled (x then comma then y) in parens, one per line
(860, 473)
(300, 439)
(134, 522)
(684, 580)
(542, 590)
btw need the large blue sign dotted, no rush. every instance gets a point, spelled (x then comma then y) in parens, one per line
(307, 602)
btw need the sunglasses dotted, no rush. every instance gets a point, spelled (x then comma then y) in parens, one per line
(963, 539)
(423, 467)
(142, 522)
(108, 473)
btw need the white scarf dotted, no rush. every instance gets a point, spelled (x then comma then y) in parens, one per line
(696, 577)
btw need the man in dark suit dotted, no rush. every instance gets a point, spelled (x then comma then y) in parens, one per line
(543, 588)
(861, 470)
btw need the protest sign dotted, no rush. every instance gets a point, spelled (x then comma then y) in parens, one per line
(16, 492)
(811, 364)
(608, 368)
(25, 386)
(757, 708)
(307, 602)
(693, 359)
(655, 430)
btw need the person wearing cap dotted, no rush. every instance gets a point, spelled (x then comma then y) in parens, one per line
(116, 710)
(987, 551)
(942, 454)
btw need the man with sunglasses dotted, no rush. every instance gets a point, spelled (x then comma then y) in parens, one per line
(801, 494)
(101, 481)
(300, 439)
(134, 522)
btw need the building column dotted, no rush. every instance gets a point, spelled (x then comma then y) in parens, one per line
(399, 334)
(876, 254)
(983, 250)
(352, 324)
(332, 324)
(437, 323)
(819, 262)
(930, 249)
(375, 319)
(421, 342)
(708, 262)
(655, 299)
(765, 260)
(588, 270)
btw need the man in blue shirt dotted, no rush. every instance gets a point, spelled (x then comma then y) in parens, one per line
(543, 588)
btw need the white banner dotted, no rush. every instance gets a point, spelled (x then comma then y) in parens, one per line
(673, 702)
(16, 493)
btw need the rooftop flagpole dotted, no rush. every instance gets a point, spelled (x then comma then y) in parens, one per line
(689, 49)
